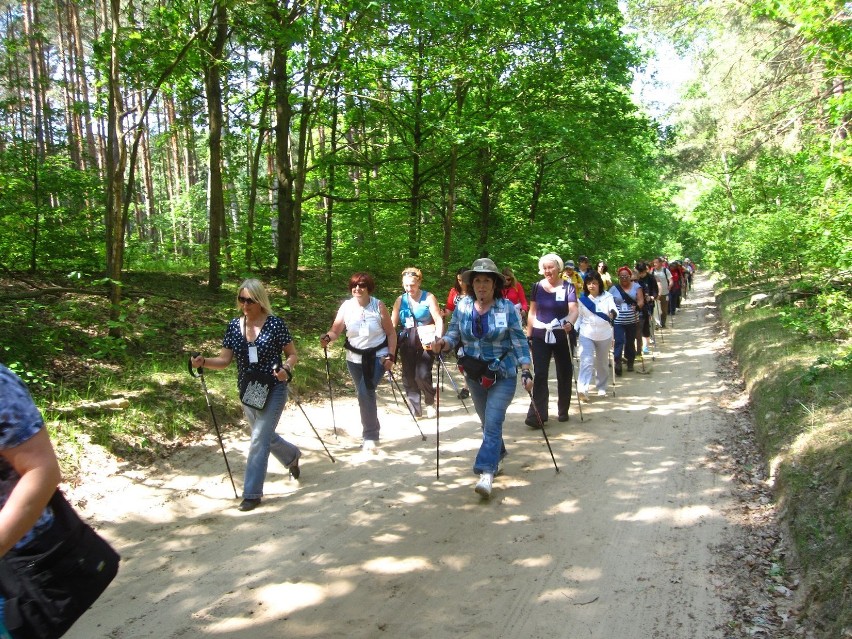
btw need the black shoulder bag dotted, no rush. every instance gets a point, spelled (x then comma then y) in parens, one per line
(52, 582)
(255, 385)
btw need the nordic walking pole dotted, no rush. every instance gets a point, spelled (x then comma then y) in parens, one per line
(330, 395)
(213, 415)
(653, 324)
(407, 405)
(612, 368)
(543, 430)
(574, 370)
(660, 315)
(443, 364)
(438, 422)
(299, 404)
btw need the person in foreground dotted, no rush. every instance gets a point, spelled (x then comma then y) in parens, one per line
(489, 330)
(53, 565)
(597, 312)
(257, 339)
(370, 344)
(29, 471)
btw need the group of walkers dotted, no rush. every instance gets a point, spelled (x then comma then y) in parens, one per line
(494, 329)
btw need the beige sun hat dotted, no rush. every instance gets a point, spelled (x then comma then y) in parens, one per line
(484, 265)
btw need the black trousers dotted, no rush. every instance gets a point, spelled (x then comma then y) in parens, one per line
(417, 375)
(542, 353)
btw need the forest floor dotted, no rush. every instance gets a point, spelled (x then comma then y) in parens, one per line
(660, 523)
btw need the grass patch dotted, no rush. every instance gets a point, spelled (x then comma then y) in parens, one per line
(134, 395)
(797, 364)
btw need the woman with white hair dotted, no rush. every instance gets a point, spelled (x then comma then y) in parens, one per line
(553, 313)
(257, 340)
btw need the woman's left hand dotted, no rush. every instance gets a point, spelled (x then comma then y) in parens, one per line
(527, 380)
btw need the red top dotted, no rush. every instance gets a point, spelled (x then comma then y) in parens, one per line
(515, 294)
(451, 299)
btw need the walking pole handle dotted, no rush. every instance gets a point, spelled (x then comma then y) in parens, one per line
(192, 372)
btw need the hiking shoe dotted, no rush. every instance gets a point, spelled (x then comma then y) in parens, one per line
(369, 446)
(618, 368)
(563, 418)
(629, 367)
(293, 468)
(532, 422)
(601, 393)
(499, 468)
(483, 486)
(646, 351)
(249, 504)
(584, 397)
(464, 393)
(431, 412)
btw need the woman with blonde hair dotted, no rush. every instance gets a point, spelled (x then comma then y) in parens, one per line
(417, 314)
(257, 340)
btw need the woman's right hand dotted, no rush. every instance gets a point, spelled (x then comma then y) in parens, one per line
(198, 361)
(325, 340)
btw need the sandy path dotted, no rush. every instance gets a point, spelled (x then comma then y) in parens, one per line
(619, 544)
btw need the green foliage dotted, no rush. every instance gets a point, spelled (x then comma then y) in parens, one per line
(800, 388)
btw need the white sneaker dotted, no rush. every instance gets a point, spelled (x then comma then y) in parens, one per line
(483, 486)
(583, 396)
(431, 413)
(601, 393)
(369, 446)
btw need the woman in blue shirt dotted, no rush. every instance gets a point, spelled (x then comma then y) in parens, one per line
(415, 313)
(489, 330)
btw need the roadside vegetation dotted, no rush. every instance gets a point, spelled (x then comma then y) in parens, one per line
(134, 394)
(794, 349)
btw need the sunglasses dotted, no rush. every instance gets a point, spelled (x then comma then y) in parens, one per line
(245, 300)
(411, 273)
(360, 285)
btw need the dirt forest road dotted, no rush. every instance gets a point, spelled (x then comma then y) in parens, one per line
(624, 542)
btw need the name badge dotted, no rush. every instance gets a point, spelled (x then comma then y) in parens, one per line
(409, 322)
(560, 294)
(625, 307)
(252, 354)
(500, 320)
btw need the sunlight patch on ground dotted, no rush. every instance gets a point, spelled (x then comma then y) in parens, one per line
(397, 566)
(687, 515)
(564, 508)
(534, 562)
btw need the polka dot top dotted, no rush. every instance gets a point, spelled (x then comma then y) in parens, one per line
(273, 337)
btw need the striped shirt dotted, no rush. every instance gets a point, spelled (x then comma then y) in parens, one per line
(627, 311)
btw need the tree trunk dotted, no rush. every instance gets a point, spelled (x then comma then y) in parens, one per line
(283, 168)
(213, 89)
(116, 157)
(253, 177)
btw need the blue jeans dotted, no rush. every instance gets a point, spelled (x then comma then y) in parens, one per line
(264, 440)
(625, 342)
(491, 405)
(367, 398)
